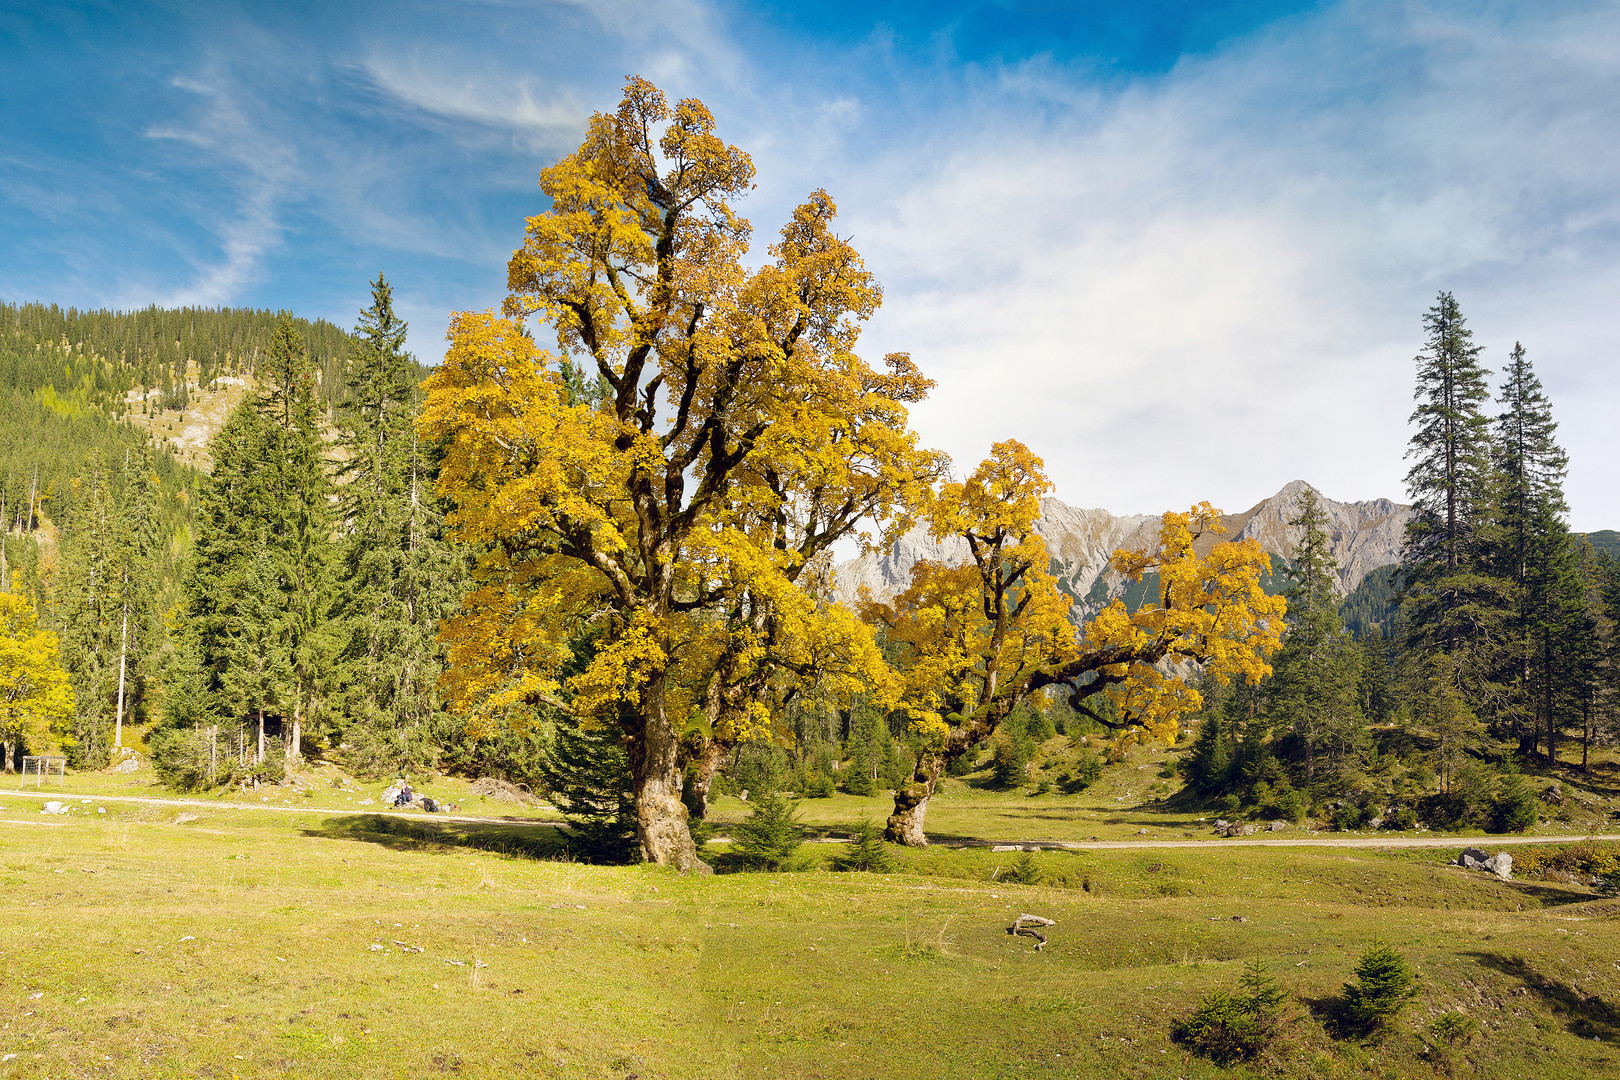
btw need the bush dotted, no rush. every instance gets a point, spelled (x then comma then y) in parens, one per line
(1514, 809)
(858, 777)
(1401, 818)
(866, 851)
(1013, 752)
(1024, 871)
(1348, 816)
(1383, 986)
(1227, 1028)
(819, 785)
(771, 836)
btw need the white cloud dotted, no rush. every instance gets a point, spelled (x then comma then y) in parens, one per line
(1208, 284)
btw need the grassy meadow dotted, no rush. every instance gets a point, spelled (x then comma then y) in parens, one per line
(279, 942)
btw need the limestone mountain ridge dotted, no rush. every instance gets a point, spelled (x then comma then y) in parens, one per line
(1362, 536)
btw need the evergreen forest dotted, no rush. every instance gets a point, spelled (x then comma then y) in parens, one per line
(288, 603)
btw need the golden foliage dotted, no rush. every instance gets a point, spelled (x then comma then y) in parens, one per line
(666, 525)
(972, 641)
(34, 690)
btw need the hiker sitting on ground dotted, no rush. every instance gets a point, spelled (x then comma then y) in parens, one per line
(406, 795)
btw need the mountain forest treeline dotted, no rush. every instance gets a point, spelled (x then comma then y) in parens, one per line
(605, 571)
(1491, 648)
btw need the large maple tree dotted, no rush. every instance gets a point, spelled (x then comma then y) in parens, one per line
(971, 642)
(645, 547)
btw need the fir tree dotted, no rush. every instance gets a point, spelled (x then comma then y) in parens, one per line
(1384, 984)
(865, 851)
(262, 585)
(770, 837)
(1531, 548)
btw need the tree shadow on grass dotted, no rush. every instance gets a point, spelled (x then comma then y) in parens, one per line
(398, 834)
(1588, 1017)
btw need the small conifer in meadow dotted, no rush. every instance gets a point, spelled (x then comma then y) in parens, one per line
(1227, 1028)
(1384, 984)
(866, 851)
(770, 837)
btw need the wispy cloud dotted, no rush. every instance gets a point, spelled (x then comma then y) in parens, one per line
(1208, 283)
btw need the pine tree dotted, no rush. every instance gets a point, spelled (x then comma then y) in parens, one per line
(399, 576)
(1448, 484)
(1534, 555)
(770, 837)
(1384, 984)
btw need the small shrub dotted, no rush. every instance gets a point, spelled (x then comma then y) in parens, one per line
(1228, 1028)
(858, 777)
(1384, 984)
(1024, 871)
(1044, 787)
(1401, 818)
(1348, 816)
(1013, 753)
(770, 837)
(1453, 1028)
(818, 785)
(865, 851)
(1514, 809)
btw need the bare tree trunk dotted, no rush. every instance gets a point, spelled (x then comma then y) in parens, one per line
(293, 745)
(259, 760)
(905, 825)
(123, 655)
(10, 750)
(661, 824)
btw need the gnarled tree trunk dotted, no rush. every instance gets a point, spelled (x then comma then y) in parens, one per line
(655, 768)
(699, 777)
(905, 825)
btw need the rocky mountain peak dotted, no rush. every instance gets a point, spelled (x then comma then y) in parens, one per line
(1362, 536)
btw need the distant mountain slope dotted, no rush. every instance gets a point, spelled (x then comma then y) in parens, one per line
(1363, 536)
(1606, 540)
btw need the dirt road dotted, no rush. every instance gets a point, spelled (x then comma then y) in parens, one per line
(1385, 840)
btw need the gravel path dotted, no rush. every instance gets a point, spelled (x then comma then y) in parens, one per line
(1212, 843)
(77, 799)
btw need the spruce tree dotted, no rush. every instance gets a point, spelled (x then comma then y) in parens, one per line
(261, 588)
(1534, 556)
(1448, 485)
(1313, 693)
(399, 575)
(587, 774)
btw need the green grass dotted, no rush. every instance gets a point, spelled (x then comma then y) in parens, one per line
(240, 944)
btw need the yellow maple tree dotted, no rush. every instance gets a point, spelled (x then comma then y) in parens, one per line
(971, 642)
(34, 690)
(670, 519)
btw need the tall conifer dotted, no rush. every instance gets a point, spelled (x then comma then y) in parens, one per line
(1448, 484)
(1313, 693)
(400, 577)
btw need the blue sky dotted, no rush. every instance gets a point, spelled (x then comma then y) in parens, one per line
(1181, 248)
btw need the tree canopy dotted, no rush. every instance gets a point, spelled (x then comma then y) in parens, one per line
(674, 517)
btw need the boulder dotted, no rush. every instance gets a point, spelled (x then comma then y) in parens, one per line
(1238, 828)
(1221, 824)
(54, 807)
(1277, 826)
(1500, 864)
(1473, 858)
